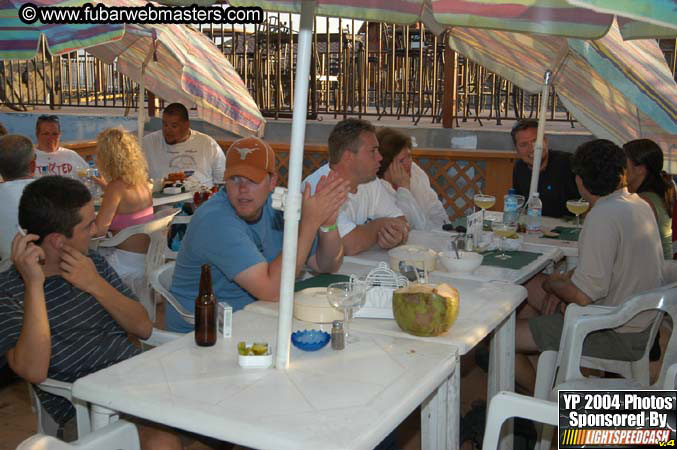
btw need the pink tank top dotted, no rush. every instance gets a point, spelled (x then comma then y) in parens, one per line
(121, 221)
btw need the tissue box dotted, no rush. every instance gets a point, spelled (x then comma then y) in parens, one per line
(225, 319)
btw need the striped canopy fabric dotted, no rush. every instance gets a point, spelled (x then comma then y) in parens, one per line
(619, 90)
(21, 41)
(655, 18)
(397, 11)
(552, 17)
(182, 65)
(570, 18)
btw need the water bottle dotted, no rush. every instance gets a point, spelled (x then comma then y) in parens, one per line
(534, 209)
(510, 207)
(93, 186)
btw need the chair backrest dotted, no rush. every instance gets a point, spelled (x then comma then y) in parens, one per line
(120, 435)
(155, 256)
(505, 405)
(46, 424)
(161, 281)
(161, 220)
(662, 299)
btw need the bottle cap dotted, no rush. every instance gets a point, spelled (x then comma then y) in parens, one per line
(512, 191)
(337, 324)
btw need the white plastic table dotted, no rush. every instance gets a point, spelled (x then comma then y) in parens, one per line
(439, 240)
(169, 199)
(568, 248)
(350, 399)
(487, 308)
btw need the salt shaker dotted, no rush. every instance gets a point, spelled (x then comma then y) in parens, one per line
(337, 335)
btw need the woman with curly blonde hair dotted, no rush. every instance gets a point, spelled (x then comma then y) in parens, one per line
(127, 199)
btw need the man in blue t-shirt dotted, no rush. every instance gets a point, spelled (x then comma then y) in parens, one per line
(239, 234)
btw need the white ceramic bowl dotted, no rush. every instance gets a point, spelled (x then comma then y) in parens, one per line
(468, 262)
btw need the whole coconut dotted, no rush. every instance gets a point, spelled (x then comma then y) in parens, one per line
(425, 309)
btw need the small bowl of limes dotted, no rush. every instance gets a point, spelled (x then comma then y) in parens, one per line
(254, 355)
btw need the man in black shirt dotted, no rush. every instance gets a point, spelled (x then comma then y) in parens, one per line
(556, 183)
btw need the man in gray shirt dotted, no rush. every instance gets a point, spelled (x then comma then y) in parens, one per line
(619, 256)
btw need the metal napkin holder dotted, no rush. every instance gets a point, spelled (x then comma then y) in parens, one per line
(381, 283)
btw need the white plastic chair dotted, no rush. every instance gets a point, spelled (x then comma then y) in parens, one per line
(161, 281)
(570, 357)
(120, 435)
(156, 231)
(505, 405)
(47, 425)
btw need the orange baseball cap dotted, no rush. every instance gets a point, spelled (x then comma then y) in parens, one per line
(251, 158)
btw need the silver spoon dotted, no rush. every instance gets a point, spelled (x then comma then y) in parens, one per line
(454, 247)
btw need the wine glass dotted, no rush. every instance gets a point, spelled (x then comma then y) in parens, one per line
(484, 201)
(503, 230)
(578, 207)
(349, 297)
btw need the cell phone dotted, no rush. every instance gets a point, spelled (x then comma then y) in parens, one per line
(22, 232)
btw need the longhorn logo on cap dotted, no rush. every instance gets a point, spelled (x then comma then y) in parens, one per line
(245, 151)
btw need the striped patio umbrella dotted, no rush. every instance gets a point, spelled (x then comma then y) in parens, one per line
(19, 40)
(180, 64)
(570, 18)
(552, 17)
(655, 18)
(619, 90)
(177, 63)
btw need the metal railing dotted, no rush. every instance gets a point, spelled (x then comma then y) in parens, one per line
(368, 69)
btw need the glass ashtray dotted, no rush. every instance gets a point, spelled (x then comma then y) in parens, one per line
(309, 340)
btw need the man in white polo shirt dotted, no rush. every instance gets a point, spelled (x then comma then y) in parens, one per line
(178, 148)
(369, 216)
(49, 153)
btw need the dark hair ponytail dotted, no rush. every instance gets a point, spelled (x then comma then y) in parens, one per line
(645, 152)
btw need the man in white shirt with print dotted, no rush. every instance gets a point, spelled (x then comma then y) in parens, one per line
(369, 216)
(177, 148)
(49, 153)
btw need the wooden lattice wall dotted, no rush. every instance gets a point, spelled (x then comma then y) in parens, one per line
(456, 175)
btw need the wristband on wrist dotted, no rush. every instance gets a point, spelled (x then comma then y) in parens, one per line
(329, 228)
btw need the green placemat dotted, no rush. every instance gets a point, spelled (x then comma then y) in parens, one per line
(323, 280)
(463, 221)
(567, 233)
(518, 259)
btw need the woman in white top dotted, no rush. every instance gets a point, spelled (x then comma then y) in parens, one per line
(407, 183)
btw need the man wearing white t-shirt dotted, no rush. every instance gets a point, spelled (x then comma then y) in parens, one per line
(177, 148)
(369, 216)
(17, 162)
(48, 153)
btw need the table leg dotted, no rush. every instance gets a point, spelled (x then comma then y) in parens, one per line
(502, 369)
(101, 416)
(440, 415)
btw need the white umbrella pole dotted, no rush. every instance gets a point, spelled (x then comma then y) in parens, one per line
(538, 147)
(292, 211)
(140, 120)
